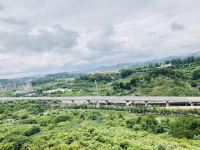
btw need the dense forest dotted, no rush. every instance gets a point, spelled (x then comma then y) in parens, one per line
(28, 125)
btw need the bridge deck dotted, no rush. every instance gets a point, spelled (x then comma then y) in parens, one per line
(111, 99)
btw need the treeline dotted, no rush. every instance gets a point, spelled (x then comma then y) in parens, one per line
(188, 60)
(141, 109)
(40, 81)
(98, 77)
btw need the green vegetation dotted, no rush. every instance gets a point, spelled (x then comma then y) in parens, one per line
(37, 126)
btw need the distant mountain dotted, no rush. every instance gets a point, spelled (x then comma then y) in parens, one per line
(113, 67)
(117, 67)
(10, 82)
(195, 54)
(62, 74)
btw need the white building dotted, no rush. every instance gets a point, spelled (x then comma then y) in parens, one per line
(165, 65)
(56, 90)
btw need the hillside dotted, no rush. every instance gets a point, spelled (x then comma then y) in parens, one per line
(180, 79)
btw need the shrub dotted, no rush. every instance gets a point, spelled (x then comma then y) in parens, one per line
(37, 109)
(185, 128)
(126, 72)
(101, 139)
(130, 123)
(196, 74)
(134, 81)
(136, 127)
(160, 147)
(74, 146)
(95, 116)
(29, 121)
(63, 118)
(194, 84)
(196, 137)
(124, 145)
(24, 116)
(149, 123)
(70, 140)
(82, 116)
(31, 131)
(18, 142)
(159, 129)
(2, 138)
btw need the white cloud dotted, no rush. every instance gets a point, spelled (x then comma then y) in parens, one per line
(13, 21)
(57, 39)
(103, 41)
(92, 33)
(1, 7)
(176, 26)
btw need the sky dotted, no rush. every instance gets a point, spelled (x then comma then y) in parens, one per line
(48, 36)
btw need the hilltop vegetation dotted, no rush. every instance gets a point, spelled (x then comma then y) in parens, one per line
(33, 125)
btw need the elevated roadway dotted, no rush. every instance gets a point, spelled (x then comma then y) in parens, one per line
(126, 100)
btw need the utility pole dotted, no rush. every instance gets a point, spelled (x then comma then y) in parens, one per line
(96, 87)
(97, 103)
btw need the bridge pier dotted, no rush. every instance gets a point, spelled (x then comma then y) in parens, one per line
(106, 102)
(128, 103)
(167, 103)
(97, 104)
(63, 104)
(88, 101)
(146, 103)
(191, 103)
(73, 101)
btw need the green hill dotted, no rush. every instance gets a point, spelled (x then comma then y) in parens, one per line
(180, 79)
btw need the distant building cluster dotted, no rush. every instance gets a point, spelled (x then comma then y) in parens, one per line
(24, 89)
(56, 90)
(165, 65)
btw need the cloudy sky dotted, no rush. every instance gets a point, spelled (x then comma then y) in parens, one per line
(47, 36)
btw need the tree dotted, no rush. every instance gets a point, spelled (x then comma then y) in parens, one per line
(196, 74)
(134, 81)
(126, 72)
(194, 84)
(185, 128)
(149, 123)
(31, 131)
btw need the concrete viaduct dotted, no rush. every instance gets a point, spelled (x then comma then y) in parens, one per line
(114, 100)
